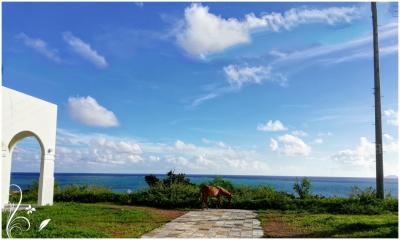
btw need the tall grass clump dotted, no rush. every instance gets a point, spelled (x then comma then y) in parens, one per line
(86, 194)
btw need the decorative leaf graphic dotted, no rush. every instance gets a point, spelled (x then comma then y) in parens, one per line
(43, 224)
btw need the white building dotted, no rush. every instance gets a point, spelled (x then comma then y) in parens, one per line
(26, 116)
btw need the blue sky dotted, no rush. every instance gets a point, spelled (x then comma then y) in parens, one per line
(219, 88)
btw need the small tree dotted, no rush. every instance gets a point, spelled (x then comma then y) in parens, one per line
(151, 180)
(303, 189)
(173, 178)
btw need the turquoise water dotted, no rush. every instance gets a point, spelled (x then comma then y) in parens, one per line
(326, 186)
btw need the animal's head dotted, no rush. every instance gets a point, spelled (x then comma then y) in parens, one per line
(226, 192)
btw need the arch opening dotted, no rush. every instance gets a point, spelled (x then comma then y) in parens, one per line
(26, 155)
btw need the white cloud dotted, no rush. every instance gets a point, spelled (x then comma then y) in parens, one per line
(392, 117)
(98, 149)
(318, 140)
(271, 126)
(204, 98)
(289, 145)
(86, 110)
(202, 33)
(274, 145)
(364, 153)
(362, 156)
(297, 16)
(383, 51)
(112, 152)
(40, 46)
(299, 133)
(353, 49)
(277, 53)
(237, 75)
(85, 50)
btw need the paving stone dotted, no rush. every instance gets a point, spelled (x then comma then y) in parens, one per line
(211, 223)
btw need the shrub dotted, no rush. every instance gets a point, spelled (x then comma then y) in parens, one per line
(151, 180)
(86, 194)
(261, 197)
(173, 178)
(302, 189)
(168, 196)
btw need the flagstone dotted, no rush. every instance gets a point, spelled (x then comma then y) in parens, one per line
(211, 223)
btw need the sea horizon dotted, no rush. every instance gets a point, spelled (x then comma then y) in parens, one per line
(201, 174)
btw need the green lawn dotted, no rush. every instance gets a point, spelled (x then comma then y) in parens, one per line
(72, 220)
(292, 224)
(98, 220)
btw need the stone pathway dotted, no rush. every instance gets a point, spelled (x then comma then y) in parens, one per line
(211, 223)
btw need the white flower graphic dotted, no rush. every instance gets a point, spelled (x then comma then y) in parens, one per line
(30, 209)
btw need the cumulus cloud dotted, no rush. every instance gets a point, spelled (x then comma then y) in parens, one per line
(87, 111)
(84, 50)
(392, 117)
(363, 155)
(39, 46)
(116, 151)
(202, 33)
(271, 126)
(95, 148)
(289, 145)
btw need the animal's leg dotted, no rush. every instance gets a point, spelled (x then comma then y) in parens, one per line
(202, 201)
(205, 200)
(219, 201)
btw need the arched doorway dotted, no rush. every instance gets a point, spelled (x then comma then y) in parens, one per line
(46, 158)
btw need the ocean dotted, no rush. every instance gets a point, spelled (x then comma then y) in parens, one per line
(326, 186)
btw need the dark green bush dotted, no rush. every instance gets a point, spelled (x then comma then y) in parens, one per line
(173, 178)
(172, 196)
(151, 180)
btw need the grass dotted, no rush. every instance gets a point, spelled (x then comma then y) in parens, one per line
(294, 224)
(100, 220)
(105, 220)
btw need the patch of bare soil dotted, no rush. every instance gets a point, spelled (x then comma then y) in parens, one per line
(169, 214)
(276, 227)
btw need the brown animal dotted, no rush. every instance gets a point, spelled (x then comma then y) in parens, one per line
(211, 191)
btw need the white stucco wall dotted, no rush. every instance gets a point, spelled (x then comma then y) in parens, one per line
(24, 116)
